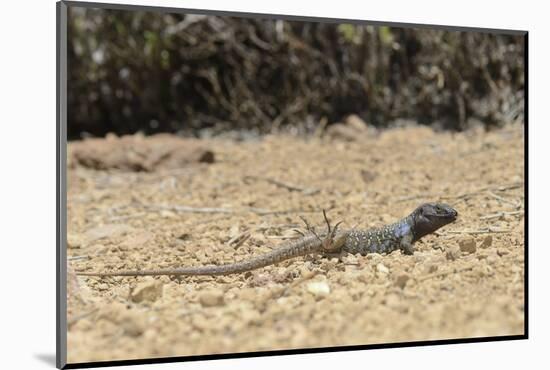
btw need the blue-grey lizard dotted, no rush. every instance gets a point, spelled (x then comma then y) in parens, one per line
(401, 235)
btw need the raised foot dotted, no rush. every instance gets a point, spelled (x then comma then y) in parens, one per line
(332, 242)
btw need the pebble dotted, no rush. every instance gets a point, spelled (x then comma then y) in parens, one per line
(487, 241)
(430, 266)
(167, 214)
(467, 245)
(482, 255)
(382, 269)
(502, 252)
(402, 279)
(201, 323)
(483, 270)
(149, 290)
(492, 259)
(106, 231)
(453, 253)
(318, 288)
(356, 122)
(73, 241)
(132, 324)
(341, 131)
(392, 300)
(374, 256)
(211, 298)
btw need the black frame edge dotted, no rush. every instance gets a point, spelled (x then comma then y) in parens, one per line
(526, 186)
(61, 196)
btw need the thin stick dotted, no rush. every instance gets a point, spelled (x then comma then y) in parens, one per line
(460, 196)
(481, 190)
(259, 211)
(238, 240)
(187, 209)
(282, 212)
(481, 231)
(282, 237)
(288, 186)
(444, 273)
(76, 258)
(413, 197)
(504, 200)
(127, 217)
(501, 214)
(75, 319)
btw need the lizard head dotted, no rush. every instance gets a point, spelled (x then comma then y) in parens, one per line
(429, 217)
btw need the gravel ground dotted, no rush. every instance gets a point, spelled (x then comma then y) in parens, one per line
(164, 202)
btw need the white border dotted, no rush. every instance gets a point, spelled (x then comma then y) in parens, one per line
(28, 182)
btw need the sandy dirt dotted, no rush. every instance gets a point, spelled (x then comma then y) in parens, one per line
(245, 199)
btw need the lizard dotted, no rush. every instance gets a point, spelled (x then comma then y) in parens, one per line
(400, 235)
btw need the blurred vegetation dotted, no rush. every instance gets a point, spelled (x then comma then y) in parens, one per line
(132, 71)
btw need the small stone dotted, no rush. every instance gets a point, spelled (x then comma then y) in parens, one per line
(368, 176)
(453, 253)
(483, 270)
(392, 300)
(373, 256)
(102, 286)
(355, 122)
(184, 236)
(211, 298)
(502, 252)
(402, 279)
(106, 231)
(487, 241)
(340, 131)
(492, 259)
(318, 288)
(350, 259)
(382, 269)
(149, 290)
(467, 245)
(74, 241)
(419, 257)
(132, 324)
(482, 255)
(430, 267)
(167, 214)
(201, 323)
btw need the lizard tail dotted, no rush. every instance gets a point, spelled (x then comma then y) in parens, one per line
(294, 249)
(211, 270)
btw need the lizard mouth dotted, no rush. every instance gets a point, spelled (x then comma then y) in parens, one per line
(445, 212)
(453, 214)
(441, 213)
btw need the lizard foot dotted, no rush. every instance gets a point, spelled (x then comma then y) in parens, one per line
(333, 242)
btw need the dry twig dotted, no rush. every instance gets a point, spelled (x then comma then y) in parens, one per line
(75, 319)
(444, 273)
(488, 230)
(501, 214)
(288, 186)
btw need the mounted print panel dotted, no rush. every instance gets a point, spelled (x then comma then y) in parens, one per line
(241, 184)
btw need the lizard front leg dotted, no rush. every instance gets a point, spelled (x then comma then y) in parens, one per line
(407, 244)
